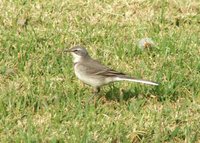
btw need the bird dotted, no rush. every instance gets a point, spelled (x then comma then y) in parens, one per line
(95, 74)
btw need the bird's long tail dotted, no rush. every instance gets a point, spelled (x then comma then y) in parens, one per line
(136, 80)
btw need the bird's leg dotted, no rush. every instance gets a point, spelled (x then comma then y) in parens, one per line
(95, 92)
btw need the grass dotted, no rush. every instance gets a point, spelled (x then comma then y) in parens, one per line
(41, 100)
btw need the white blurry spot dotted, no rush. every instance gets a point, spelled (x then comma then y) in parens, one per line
(22, 21)
(146, 43)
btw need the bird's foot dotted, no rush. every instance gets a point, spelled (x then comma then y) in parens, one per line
(96, 90)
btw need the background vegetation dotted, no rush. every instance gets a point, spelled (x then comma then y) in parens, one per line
(42, 101)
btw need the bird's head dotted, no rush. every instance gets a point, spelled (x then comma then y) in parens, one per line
(77, 52)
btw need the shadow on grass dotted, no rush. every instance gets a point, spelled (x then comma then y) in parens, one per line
(160, 93)
(117, 94)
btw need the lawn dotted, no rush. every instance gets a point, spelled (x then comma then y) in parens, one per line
(41, 100)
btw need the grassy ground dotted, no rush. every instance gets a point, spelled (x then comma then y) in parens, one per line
(42, 101)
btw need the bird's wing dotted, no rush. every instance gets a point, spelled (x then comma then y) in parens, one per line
(110, 72)
(96, 68)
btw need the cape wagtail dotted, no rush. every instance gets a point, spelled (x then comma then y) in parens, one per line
(93, 73)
